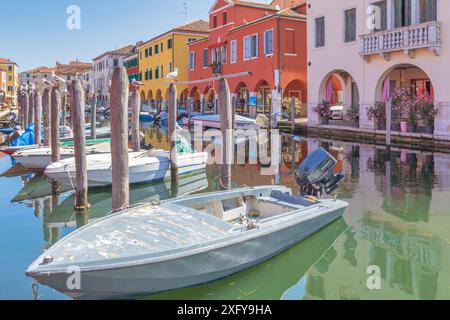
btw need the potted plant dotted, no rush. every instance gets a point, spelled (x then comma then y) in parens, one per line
(426, 112)
(400, 100)
(377, 113)
(324, 111)
(412, 120)
(353, 114)
(216, 67)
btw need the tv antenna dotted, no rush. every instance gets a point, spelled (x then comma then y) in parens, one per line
(185, 11)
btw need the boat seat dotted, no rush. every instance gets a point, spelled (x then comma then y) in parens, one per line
(296, 200)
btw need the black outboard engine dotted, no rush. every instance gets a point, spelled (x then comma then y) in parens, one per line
(316, 174)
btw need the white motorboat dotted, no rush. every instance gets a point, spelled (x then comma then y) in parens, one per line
(213, 121)
(144, 167)
(41, 157)
(189, 241)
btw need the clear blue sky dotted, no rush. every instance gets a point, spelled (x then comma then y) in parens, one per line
(34, 33)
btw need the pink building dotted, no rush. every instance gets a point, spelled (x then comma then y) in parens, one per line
(361, 51)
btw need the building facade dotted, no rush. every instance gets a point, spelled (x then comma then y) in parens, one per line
(12, 81)
(267, 40)
(131, 63)
(36, 76)
(2, 88)
(362, 52)
(104, 66)
(75, 70)
(162, 55)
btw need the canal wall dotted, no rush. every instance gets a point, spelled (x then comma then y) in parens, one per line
(421, 141)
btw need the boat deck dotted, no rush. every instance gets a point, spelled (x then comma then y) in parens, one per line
(145, 230)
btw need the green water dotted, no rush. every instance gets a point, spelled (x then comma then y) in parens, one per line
(398, 220)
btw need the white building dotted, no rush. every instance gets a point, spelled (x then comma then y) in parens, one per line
(75, 70)
(36, 76)
(104, 67)
(360, 49)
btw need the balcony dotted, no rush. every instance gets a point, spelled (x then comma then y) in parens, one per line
(406, 39)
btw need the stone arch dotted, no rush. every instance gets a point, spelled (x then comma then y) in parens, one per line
(263, 97)
(150, 95)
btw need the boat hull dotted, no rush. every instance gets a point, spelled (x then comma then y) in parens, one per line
(194, 269)
(143, 173)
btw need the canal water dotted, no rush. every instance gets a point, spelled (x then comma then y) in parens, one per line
(397, 223)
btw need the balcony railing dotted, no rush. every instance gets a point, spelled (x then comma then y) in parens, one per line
(426, 35)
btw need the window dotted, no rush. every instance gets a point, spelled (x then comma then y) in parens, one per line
(116, 63)
(382, 23)
(268, 42)
(146, 52)
(10, 68)
(10, 88)
(150, 74)
(192, 60)
(205, 58)
(350, 25)
(224, 18)
(150, 51)
(290, 41)
(402, 11)
(320, 32)
(162, 46)
(214, 22)
(156, 49)
(162, 71)
(428, 10)
(146, 75)
(233, 51)
(169, 44)
(156, 73)
(251, 47)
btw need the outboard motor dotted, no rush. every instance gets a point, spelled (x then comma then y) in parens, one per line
(316, 174)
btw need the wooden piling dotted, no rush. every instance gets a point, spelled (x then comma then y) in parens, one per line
(46, 110)
(54, 131)
(77, 105)
(293, 115)
(25, 106)
(63, 121)
(119, 139)
(172, 111)
(37, 117)
(93, 116)
(226, 120)
(30, 108)
(135, 131)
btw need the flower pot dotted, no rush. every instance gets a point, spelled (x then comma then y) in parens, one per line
(429, 129)
(325, 122)
(382, 126)
(404, 126)
(395, 127)
(412, 128)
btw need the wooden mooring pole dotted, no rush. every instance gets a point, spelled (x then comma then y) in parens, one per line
(37, 117)
(93, 116)
(293, 115)
(77, 105)
(63, 121)
(226, 119)
(135, 131)
(119, 139)
(172, 110)
(55, 109)
(30, 108)
(25, 105)
(46, 110)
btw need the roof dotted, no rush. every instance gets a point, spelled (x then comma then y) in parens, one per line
(254, 5)
(40, 70)
(73, 68)
(197, 27)
(6, 61)
(122, 51)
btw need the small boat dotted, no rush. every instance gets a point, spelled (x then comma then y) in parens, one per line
(180, 243)
(144, 167)
(6, 131)
(41, 157)
(213, 121)
(39, 187)
(146, 117)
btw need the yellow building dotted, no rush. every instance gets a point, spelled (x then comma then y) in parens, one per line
(12, 81)
(162, 55)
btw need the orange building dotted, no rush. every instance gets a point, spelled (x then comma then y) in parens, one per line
(269, 41)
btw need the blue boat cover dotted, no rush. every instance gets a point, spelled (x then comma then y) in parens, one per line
(26, 139)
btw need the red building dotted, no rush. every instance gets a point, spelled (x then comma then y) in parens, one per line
(131, 63)
(269, 41)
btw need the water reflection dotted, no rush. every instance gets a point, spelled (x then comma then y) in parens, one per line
(398, 220)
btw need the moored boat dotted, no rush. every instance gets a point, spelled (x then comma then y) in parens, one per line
(144, 167)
